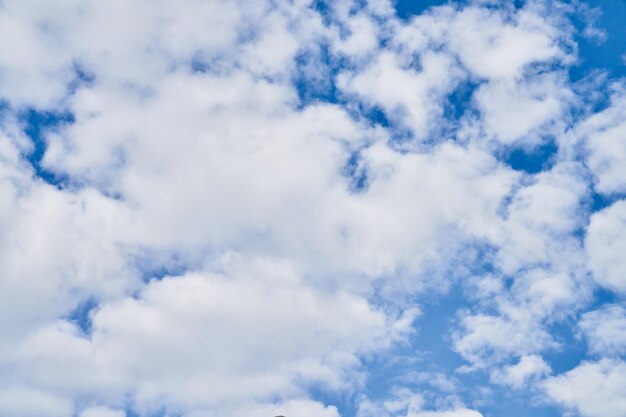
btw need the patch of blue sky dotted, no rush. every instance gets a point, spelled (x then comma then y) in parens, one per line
(410, 365)
(315, 74)
(601, 201)
(533, 160)
(199, 65)
(4, 107)
(503, 401)
(130, 412)
(475, 388)
(459, 102)
(322, 6)
(604, 296)
(431, 348)
(419, 365)
(156, 265)
(605, 53)
(81, 316)
(405, 9)
(36, 125)
(432, 341)
(355, 173)
(345, 401)
(572, 348)
(429, 351)
(376, 116)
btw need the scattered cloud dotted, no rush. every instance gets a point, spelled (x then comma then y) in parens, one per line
(606, 330)
(308, 208)
(593, 389)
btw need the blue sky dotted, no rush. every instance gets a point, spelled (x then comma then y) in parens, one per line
(356, 208)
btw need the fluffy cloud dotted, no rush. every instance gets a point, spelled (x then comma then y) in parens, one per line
(59, 38)
(410, 96)
(606, 330)
(410, 82)
(265, 335)
(405, 403)
(593, 389)
(508, 42)
(605, 138)
(541, 271)
(604, 243)
(250, 202)
(21, 401)
(514, 110)
(528, 367)
(74, 257)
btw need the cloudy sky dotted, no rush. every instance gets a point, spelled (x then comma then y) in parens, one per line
(346, 208)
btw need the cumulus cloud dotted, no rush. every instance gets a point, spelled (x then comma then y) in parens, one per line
(236, 208)
(604, 243)
(541, 271)
(410, 96)
(405, 403)
(528, 367)
(266, 335)
(604, 137)
(593, 389)
(516, 110)
(606, 330)
(22, 401)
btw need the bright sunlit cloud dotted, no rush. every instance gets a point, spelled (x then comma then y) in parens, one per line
(353, 208)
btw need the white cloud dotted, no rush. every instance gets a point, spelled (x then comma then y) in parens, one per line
(519, 110)
(498, 45)
(19, 401)
(75, 256)
(211, 341)
(606, 238)
(204, 164)
(604, 134)
(493, 44)
(541, 217)
(410, 82)
(487, 339)
(528, 368)
(191, 145)
(593, 389)
(406, 403)
(462, 412)
(410, 96)
(49, 41)
(362, 40)
(102, 412)
(254, 173)
(542, 271)
(605, 330)
(303, 408)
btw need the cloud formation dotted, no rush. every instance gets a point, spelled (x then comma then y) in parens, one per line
(255, 208)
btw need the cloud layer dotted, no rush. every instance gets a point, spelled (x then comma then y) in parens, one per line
(255, 208)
